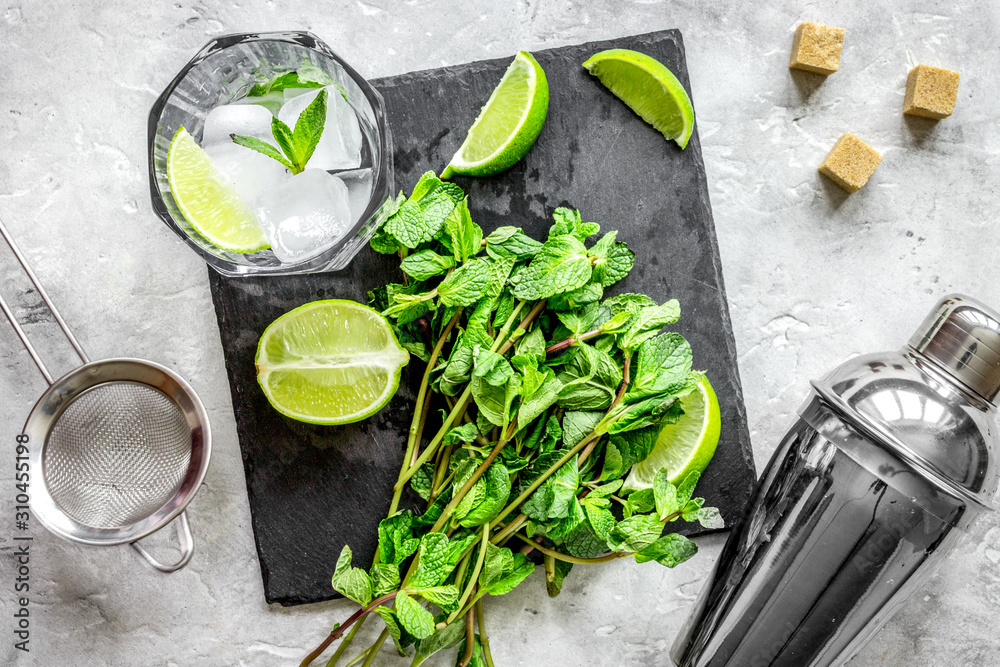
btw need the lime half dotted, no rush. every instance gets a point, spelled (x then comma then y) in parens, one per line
(648, 88)
(329, 362)
(208, 202)
(684, 447)
(508, 125)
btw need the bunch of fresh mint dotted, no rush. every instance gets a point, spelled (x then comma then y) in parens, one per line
(538, 397)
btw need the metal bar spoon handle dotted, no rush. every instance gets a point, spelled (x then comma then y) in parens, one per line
(892, 458)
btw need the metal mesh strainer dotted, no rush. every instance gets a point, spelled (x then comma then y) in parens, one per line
(118, 448)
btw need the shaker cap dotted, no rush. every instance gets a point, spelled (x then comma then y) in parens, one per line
(962, 337)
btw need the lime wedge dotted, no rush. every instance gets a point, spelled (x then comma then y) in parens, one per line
(508, 125)
(329, 362)
(684, 447)
(209, 203)
(648, 88)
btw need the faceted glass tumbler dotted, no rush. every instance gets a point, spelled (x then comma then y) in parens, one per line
(223, 71)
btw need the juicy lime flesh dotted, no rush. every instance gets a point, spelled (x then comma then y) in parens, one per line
(687, 446)
(648, 88)
(210, 205)
(503, 112)
(509, 123)
(329, 362)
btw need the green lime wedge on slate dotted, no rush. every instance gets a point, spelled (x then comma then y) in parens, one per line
(208, 202)
(648, 88)
(508, 124)
(329, 362)
(684, 447)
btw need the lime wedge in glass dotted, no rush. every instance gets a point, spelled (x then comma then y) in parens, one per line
(684, 447)
(508, 125)
(329, 362)
(648, 88)
(209, 203)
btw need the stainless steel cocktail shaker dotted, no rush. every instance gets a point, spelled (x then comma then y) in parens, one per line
(893, 456)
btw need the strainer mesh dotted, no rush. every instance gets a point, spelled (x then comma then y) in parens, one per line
(117, 454)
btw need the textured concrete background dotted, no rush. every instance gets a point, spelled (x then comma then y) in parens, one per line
(813, 276)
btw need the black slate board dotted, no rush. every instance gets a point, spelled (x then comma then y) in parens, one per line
(313, 489)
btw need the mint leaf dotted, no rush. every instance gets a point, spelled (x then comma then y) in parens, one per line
(423, 481)
(665, 494)
(658, 410)
(686, 488)
(309, 130)
(400, 637)
(601, 519)
(414, 618)
(432, 561)
(445, 597)
(285, 138)
(463, 433)
(385, 579)
(532, 345)
(636, 532)
(605, 490)
(494, 386)
(711, 518)
(421, 217)
(513, 241)
(561, 265)
(669, 550)
(612, 261)
(426, 264)
(395, 538)
(260, 146)
(497, 492)
(503, 570)
(466, 284)
(465, 235)
(539, 388)
(568, 221)
(577, 425)
(662, 366)
(351, 582)
(442, 639)
(649, 321)
(581, 296)
(590, 381)
(642, 502)
(552, 500)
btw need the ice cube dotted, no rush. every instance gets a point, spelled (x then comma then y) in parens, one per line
(248, 119)
(245, 169)
(340, 145)
(359, 190)
(304, 215)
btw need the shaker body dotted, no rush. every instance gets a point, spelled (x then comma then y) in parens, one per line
(839, 534)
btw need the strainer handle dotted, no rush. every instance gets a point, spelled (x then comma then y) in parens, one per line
(48, 303)
(186, 546)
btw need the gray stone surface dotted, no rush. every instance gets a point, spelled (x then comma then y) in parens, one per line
(813, 276)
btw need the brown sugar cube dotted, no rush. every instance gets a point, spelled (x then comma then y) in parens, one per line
(850, 163)
(930, 92)
(817, 48)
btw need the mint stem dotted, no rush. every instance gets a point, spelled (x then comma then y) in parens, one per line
(333, 636)
(573, 340)
(470, 640)
(484, 640)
